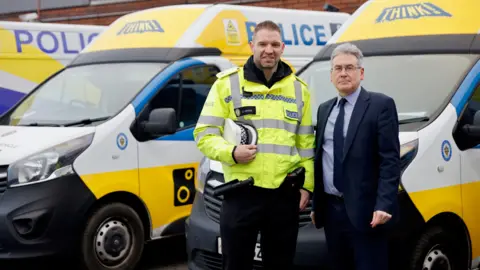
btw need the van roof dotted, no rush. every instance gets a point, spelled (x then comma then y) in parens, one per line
(395, 27)
(40, 26)
(169, 33)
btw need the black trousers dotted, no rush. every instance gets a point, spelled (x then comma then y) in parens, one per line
(350, 249)
(273, 213)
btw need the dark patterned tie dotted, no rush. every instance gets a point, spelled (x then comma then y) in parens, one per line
(338, 140)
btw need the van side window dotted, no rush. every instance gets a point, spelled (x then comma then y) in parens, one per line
(186, 93)
(473, 106)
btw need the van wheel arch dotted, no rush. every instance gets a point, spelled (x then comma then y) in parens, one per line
(449, 224)
(131, 200)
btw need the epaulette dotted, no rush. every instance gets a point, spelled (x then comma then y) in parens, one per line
(227, 72)
(300, 80)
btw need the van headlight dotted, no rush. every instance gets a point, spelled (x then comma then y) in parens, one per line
(407, 153)
(48, 164)
(203, 169)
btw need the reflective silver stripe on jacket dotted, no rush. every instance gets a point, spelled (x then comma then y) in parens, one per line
(284, 150)
(235, 92)
(307, 153)
(280, 124)
(211, 120)
(207, 131)
(299, 99)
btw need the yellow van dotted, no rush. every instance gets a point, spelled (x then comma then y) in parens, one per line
(100, 157)
(425, 55)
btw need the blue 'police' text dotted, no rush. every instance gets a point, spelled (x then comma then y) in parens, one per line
(53, 42)
(303, 34)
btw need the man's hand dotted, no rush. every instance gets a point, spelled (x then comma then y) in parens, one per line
(312, 217)
(380, 217)
(304, 198)
(245, 153)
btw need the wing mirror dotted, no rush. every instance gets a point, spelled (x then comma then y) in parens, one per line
(160, 122)
(473, 130)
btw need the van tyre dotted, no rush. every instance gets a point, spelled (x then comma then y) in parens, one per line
(435, 250)
(113, 238)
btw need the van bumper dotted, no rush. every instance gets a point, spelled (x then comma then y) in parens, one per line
(202, 233)
(43, 219)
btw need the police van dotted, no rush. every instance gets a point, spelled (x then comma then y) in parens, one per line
(426, 56)
(100, 157)
(31, 52)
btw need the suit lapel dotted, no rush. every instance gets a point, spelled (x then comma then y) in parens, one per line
(324, 112)
(358, 111)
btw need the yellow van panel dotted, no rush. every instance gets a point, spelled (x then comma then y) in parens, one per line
(101, 184)
(34, 69)
(459, 199)
(393, 18)
(150, 28)
(471, 217)
(430, 202)
(226, 38)
(158, 191)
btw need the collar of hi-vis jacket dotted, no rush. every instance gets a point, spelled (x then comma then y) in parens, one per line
(253, 74)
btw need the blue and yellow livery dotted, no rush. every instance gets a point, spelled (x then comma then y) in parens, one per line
(31, 52)
(100, 158)
(426, 56)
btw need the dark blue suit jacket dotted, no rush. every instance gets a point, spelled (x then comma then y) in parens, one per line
(371, 161)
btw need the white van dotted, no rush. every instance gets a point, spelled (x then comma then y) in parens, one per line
(31, 52)
(103, 151)
(426, 56)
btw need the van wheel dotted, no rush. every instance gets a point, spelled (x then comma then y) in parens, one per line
(435, 250)
(113, 238)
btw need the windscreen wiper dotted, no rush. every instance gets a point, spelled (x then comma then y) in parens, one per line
(36, 124)
(86, 121)
(413, 120)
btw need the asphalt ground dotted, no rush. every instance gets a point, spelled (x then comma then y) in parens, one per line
(158, 255)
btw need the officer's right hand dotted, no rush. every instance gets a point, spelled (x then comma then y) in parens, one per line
(245, 153)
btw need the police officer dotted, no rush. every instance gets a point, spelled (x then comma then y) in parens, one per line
(267, 95)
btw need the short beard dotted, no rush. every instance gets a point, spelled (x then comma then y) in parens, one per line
(260, 66)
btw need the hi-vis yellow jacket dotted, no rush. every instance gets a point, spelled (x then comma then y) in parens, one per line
(283, 120)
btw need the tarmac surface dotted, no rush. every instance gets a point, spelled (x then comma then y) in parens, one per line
(165, 254)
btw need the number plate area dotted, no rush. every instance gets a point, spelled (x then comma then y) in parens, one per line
(257, 256)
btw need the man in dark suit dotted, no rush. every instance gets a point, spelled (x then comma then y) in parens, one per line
(357, 167)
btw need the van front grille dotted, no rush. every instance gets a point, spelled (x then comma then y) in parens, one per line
(214, 261)
(3, 178)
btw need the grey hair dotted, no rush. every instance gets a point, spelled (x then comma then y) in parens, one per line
(348, 48)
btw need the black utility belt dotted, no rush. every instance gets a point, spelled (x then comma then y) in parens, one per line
(294, 180)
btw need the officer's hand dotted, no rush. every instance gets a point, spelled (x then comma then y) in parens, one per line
(305, 197)
(245, 153)
(312, 217)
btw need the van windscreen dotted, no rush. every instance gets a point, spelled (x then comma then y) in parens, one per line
(83, 92)
(419, 84)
